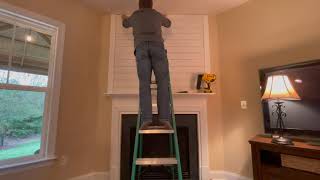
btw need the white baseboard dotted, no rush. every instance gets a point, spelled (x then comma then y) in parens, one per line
(93, 176)
(214, 175)
(224, 175)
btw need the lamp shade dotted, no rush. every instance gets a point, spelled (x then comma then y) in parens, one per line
(280, 87)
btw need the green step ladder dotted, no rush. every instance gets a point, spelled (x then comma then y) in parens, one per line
(173, 162)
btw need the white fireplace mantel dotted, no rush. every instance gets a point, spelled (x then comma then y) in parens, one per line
(189, 94)
(183, 104)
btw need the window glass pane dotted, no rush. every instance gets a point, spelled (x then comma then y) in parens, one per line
(3, 76)
(30, 56)
(32, 52)
(6, 32)
(27, 79)
(21, 119)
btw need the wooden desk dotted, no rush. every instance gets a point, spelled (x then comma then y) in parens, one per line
(269, 160)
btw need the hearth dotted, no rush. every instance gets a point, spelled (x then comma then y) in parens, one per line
(158, 146)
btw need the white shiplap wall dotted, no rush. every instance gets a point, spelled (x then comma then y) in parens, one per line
(187, 42)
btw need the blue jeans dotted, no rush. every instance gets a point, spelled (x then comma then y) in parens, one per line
(153, 56)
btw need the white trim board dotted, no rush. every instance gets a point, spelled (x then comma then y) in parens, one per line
(93, 176)
(225, 175)
(213, 175)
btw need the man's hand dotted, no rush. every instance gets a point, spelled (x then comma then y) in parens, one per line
(124, 17)
(126, 23)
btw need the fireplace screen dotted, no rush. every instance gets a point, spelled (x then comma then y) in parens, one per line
(158, 146)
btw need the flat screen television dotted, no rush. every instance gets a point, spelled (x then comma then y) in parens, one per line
(303, 116)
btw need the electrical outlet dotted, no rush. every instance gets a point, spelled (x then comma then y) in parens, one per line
(64, 160)
(244, 105)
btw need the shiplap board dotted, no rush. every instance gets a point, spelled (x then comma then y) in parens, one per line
(187, 50)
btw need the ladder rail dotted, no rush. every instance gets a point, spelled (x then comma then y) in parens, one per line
(175, 136)
(171, 154)
(136, 146)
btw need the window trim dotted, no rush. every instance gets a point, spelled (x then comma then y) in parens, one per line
(56, 29)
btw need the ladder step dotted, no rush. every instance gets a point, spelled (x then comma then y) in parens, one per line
(156, 131)
(156, 161)
(147, 128)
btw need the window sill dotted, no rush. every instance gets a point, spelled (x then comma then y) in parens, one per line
(32, 164)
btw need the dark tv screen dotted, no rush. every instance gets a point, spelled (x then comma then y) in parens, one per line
(303, 116)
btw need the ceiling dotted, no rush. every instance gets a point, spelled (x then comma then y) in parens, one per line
(167, 6)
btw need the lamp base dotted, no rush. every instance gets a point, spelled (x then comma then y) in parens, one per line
(282, 141)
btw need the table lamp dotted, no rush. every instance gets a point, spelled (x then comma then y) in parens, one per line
(280, 88)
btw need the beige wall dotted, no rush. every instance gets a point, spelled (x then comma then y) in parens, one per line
(82, 126)
(215, 123)
(103, 129)
(258, 34)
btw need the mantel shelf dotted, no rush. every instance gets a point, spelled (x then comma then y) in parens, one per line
(123, 94)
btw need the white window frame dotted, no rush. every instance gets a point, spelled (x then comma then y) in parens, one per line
(56, 30)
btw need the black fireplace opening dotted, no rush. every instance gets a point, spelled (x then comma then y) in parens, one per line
(158, 146)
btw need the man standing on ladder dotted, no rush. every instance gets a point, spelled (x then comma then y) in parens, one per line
(150, 55)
